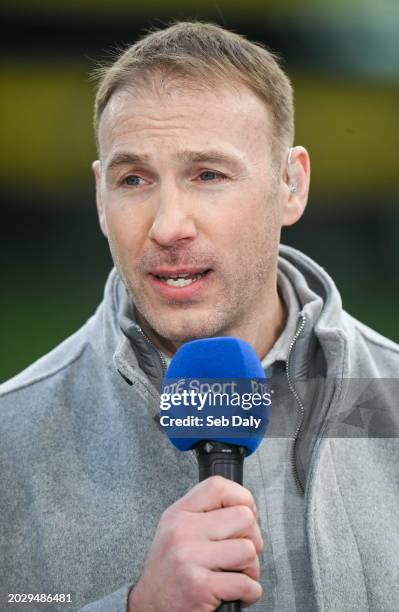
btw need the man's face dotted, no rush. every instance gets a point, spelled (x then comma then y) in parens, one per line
(191, 208)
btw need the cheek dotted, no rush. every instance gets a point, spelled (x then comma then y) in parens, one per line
(256, 234)
(127, 230)
(255, 214)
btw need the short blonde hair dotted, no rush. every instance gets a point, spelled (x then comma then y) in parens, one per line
(203, 54)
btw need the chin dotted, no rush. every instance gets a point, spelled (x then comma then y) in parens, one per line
(186, 330)
(184, 335)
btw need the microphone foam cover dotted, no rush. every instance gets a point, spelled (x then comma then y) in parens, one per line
(226, 391)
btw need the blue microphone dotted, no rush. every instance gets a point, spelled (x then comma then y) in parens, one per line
(214, 399)
(215, 391)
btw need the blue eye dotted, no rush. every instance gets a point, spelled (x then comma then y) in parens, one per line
(209, 175)
(133, 180)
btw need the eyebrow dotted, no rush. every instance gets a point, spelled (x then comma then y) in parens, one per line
(123, 158)
(210, 156)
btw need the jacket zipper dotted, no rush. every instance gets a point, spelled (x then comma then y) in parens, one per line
(299, 405)
(164, 368)
(161, 357)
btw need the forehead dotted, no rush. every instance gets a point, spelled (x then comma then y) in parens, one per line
(226, 115)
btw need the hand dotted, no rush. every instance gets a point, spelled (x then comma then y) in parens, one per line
(212, 528)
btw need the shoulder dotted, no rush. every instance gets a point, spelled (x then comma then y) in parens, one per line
(46, 397)
(372, 337)
(370, 351)
(48, 368)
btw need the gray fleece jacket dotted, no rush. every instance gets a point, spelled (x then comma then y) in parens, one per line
(85, 470)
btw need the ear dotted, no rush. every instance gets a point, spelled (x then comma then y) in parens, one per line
(96, 167)
(296, 185)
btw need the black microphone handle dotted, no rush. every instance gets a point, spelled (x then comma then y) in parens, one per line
(219, 459)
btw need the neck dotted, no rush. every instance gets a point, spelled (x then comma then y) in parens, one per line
(263, 333)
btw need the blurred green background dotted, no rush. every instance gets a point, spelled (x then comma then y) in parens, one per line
(343, 59)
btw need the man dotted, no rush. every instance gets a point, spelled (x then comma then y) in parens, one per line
(197, 174)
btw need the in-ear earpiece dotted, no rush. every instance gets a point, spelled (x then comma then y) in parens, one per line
(291, 172)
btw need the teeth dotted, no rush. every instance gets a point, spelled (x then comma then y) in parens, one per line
(180, 281)
(177, 276)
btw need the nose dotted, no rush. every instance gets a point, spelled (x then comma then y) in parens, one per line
(173, 220)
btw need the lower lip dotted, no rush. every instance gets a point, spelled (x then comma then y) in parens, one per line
(181, 294)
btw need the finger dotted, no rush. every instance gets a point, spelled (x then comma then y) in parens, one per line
(231, 586)
(233, 522)
(215, 492)
(230, 555)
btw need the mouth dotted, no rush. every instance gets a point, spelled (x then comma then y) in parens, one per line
(181, 279)
(180, 284)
